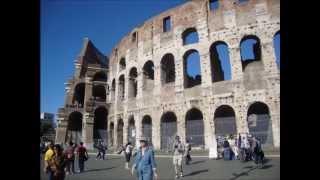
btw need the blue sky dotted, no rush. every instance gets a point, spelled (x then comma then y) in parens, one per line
(64, 24)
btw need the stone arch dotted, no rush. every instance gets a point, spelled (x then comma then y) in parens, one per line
(148, 75)
(133, 83)
(74, 128)
(120, 126)
(99, 92)
(194, 127)
(100, 124)
(78, 96)
(220, 61)
(259, 122)
(250, 50)
(192, 76)
(111, 133)
(100, 76)
(190, 36)
(167, 69)
(122, 64)
(113, 89)
(147, 127)
(168, 129)
(225, 121)
(121, 88)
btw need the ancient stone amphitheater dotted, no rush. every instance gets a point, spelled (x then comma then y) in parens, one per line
(145, 88)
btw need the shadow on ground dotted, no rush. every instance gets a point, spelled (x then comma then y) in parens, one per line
(103, 169)
(197, 172)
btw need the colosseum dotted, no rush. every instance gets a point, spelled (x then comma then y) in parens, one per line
(143, 88)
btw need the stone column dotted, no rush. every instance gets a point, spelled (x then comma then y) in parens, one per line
(207, 128)
(156, 129)
(268, 56)
(125, 129)
(235, 61)
(181, 127)
(205, 66)
(138, 125)
(115, 133)
(87, 130)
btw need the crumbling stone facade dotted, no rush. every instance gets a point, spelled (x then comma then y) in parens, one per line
(141, 88)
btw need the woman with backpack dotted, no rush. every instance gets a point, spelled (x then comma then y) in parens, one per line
(128, 153)
(69, 153)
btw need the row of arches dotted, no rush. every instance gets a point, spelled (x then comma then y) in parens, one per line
(258, 118)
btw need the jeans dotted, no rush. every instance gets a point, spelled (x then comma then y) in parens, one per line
(81, 164)
(145, 174)
(70, 165)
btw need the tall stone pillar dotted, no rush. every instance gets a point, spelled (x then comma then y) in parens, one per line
(235, 61)
(61, 131)
(115, 133)
(138, 125)
(205, 68)
(156, 130)
(181, 127)
(269, 57)
(125, 129)
(87, 130)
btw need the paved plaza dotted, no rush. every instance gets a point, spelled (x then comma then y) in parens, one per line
(201, 168)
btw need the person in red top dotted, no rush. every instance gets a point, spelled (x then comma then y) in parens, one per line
(69, 153)
(82, 156)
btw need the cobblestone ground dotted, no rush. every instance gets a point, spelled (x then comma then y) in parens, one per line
(200, 168)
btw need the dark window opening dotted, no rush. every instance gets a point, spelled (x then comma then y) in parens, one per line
(192, 70)
(250, 50)
(99, 92)
(148, 76)
(195, 127)
(132, 131)
(79, 92)
(213, 4)
(121, 88)
(111, 134)
(168, 130)
(134, 37)
(190, 36)
(100, 124)
(133, 86)
(220, 62)
(225, 121)
(276, 45)
(113, 89)
(166, 24)
(120, 132)
(74, 129)
(167, 69)
(100, 76)
(147, 128)
(122, 64)
(259, 123)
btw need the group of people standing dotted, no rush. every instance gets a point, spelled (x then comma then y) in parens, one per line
(59, 162)
(245, 147)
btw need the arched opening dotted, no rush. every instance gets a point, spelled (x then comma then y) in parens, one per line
(276, 45)
(122, 64)
(147, 128)
(78, 97)
(259, 122)
(195, 127)
(99, 92)
(121, 88)
(113, 89)
(220, 62)
(111, 134)
(120, 132)
(132, 131)
(167, 69)
(192, 70)
(190, 36)
(133, 86)
(100, 124)
(74, 128)
(148, 76)
(100, 76)
(225, 121)
(250, 50)
(168, 130)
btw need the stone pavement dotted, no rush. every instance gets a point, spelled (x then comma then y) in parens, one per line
(201, 168)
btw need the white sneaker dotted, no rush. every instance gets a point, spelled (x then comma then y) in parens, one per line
(181, 175)
(177, 177)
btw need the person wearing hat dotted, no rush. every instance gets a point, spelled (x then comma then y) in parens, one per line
(178, 152)
(144, 163)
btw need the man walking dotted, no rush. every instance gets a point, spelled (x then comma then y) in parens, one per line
(178, 152)
(82, 156)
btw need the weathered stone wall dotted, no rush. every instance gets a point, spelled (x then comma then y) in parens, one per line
(229, 23)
